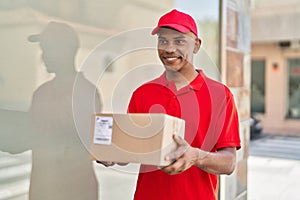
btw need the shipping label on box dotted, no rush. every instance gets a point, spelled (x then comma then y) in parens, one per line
(103, 130)
(138, 138)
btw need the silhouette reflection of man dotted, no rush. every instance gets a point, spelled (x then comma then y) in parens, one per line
(61, 165)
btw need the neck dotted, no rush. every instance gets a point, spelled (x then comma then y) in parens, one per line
(181, 79)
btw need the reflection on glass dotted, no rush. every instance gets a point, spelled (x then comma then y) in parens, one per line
(207, 17)
(36, 89)
(33, 88)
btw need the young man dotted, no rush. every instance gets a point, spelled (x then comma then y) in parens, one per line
(212, 127)
(212, 130)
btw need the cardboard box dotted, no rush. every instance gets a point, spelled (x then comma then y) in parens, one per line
(134, 138)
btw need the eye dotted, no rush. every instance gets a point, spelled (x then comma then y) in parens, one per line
(162, 41)
(179, 42)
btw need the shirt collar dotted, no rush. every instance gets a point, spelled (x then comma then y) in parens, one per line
(196, 84)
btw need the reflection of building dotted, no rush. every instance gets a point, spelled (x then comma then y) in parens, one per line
(276, 65)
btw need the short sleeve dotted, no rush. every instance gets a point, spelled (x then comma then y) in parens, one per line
(229, 136)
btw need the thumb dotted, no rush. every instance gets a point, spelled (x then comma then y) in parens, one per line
(179, 140)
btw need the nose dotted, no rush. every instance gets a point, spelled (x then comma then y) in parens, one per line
(170, 47)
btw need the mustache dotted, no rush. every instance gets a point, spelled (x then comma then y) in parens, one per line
(170, 55)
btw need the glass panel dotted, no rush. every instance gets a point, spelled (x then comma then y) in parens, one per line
(258, 86)
(207, 17)
(38, 126)
(294, 88)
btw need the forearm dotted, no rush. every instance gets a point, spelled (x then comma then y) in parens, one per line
(185, 156)
(220, 162)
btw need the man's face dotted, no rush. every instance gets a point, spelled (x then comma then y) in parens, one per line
(176, 49)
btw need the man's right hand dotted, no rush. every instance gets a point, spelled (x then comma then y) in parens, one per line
(106, 163)
(109, 163)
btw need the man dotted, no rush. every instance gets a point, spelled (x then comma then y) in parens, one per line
(212, 130)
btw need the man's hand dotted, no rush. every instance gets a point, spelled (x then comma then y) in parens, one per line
(109, 164)
(183, 157)
(106, 164)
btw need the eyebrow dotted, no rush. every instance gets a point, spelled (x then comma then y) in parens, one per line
(177, 37)
(180, 37)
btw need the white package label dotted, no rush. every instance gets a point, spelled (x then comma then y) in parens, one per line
(103, 130)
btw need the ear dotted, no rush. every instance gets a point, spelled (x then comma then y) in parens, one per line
(197, 45)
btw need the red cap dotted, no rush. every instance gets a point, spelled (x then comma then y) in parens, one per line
(177, 20)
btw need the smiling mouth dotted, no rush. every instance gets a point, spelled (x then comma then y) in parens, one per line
(171, 58)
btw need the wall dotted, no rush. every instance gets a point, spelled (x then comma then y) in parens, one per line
(281, 19)
(276, 99)
(235, 60)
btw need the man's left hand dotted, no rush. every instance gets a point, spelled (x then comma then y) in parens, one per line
(182, 158)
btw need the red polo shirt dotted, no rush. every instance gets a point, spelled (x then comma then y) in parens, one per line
(211, 120)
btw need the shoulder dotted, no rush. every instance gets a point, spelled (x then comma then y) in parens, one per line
(212, 83)
(216, 88)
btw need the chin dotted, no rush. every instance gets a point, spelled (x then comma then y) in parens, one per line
(172, 68)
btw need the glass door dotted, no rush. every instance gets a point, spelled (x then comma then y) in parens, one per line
(294, 88)
(258, 86)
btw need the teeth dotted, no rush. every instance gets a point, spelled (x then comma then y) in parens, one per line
(171, 59)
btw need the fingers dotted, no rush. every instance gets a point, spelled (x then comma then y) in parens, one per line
(175, 168)
(106, 164)
(122, 164)
(180, 158)
(109, 164)
(181, 149)
(175, 155)
(179, 140)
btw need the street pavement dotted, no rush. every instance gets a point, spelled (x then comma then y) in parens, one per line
(276, 147)
(274, 168)
(273, 179)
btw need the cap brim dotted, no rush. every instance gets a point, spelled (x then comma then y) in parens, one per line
(177, 27)
(34, 38)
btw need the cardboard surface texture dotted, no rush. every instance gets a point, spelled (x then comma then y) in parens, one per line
(134, 138)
